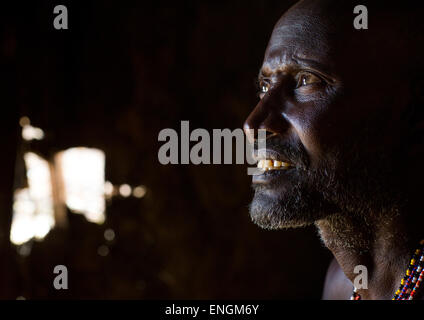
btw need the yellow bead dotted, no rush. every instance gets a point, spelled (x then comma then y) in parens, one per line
(412, 261)
(402, 282)
(397, 292)
(408, 272)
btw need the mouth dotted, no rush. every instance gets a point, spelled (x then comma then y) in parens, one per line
(273, 167)
(269, 164)
(270, 160)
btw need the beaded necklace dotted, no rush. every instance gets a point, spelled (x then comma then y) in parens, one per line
(411, 281)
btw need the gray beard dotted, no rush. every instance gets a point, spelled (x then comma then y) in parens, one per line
(344, 195)
(298, 207)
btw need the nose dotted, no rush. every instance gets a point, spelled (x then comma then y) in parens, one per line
(267, 115)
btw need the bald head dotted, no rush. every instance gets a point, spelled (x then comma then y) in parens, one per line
(322, 30)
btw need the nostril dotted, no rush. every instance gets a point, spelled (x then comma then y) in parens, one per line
(254, 134)
(270, 134)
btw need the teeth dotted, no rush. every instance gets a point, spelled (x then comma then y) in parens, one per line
(267, 164)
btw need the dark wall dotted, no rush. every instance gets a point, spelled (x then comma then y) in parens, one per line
(122, 72)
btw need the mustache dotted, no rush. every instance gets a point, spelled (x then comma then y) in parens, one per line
(290, 151)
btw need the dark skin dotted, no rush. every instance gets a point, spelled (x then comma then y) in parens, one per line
(324, 86)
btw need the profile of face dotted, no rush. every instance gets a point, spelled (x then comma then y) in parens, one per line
(335, 102)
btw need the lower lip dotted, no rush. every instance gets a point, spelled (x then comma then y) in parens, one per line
(270, 175)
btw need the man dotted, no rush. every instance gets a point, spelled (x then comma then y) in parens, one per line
(344, 114)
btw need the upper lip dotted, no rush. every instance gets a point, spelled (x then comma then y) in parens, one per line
(269, 154)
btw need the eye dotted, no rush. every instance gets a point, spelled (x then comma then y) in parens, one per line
(263, 88)
(307, 79)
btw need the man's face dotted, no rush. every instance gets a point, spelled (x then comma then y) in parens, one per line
(327, 101)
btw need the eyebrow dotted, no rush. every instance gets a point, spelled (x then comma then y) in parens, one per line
(302, 62)
(313, 64)
(261, 77)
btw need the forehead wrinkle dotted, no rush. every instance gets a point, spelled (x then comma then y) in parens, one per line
(296, 37)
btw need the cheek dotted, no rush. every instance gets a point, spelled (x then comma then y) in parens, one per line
(313, 127)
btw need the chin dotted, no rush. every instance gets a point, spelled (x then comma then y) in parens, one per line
(274, 208)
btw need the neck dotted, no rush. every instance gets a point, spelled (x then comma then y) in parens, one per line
(382, 244)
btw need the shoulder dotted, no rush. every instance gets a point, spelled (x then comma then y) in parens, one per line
(337, 286)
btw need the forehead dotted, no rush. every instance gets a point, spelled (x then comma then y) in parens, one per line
(302, 35)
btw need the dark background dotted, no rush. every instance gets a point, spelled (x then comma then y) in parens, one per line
(122, 72)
